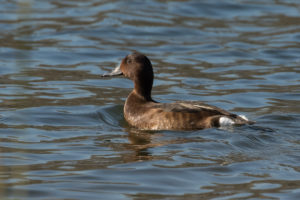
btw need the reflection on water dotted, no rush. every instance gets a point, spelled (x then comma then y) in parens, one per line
(62, 132)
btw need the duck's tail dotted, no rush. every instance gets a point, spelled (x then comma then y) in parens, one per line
(234, 120)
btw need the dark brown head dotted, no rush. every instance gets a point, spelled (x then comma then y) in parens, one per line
(138, 68)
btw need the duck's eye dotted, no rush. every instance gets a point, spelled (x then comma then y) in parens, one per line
(128, 61)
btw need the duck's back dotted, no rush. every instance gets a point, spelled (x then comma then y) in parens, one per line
(181, 115)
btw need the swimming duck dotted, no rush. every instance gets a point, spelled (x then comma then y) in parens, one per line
(142, 112)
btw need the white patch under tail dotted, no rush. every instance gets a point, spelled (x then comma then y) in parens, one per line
(225, 121)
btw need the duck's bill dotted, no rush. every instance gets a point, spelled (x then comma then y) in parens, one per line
(116, 72)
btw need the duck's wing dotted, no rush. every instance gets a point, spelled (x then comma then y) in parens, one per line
(204, 110)
(194, 107)
(217, 115)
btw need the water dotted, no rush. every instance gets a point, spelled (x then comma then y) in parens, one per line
(62, 132)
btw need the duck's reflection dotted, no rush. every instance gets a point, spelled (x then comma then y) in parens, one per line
(140, 142)
(144, 143)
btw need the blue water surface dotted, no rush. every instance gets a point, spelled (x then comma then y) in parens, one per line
(62, 130)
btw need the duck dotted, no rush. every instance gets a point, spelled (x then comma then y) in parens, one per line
(142, 112)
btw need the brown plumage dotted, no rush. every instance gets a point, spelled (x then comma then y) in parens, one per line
(141, 111)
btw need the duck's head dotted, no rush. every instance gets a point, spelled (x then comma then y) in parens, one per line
(138, 68)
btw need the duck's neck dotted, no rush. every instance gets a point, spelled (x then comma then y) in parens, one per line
(143, 91)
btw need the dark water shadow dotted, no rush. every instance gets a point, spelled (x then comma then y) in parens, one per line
(111, 115)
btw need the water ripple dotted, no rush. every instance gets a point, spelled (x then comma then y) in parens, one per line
(62, 130)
